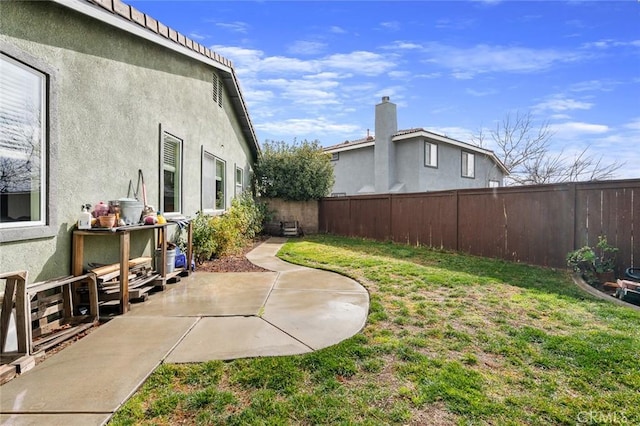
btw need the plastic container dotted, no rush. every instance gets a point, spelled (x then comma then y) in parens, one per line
(130, 210)
(171, 260)
(84, 221)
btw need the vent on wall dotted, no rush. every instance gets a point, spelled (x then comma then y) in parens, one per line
(216, 91)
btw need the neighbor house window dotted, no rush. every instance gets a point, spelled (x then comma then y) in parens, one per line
(494, 184)
(213, 182)
(335, 156)
(430, 154)
(239, 181)
(171, 174)
(23, 145)
(468, 165)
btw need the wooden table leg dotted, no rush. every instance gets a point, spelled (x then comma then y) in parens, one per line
(125, 248)
(162, 236)
(189, 246)
(78, 253)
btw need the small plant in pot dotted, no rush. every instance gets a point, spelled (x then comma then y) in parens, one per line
(596, 265)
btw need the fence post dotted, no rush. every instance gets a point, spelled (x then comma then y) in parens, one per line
(573, 199)
(350, 234)
(390, 201)
(457, 216)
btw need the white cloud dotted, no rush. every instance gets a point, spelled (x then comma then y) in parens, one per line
(236, 27)
(480, 93)
(594, 85)
(610, 43)
(308, 126)
(196, 36)
(633, 125)
(359, 62)
(454, 24)
(403, 45)
(391, 25)
(283, 65)
(560, 116)
(467, 62)
(303, 47)
(558, 103)
(572, 129)
(337, 30)
(399, 74)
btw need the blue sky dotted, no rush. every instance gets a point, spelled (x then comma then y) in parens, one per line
(315, 70)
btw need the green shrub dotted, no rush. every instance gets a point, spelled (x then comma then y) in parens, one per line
(297, 172)
(215, 236)
(203, 243)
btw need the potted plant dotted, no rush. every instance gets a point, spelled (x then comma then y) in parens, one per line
(597, 265)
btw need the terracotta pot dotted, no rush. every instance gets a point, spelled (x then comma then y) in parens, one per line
(107, 221)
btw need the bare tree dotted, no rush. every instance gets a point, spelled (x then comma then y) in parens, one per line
(526, 152)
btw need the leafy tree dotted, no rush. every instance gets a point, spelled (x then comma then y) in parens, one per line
(525, 151)
(297, 172)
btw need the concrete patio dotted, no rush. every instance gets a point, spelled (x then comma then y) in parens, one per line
(207, 316)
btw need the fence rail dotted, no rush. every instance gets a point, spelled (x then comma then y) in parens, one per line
(531, 224)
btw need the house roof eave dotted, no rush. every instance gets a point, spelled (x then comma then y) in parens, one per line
(125, 17)
(421, 133)
(338, 148)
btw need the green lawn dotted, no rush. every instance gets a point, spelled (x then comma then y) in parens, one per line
(450, 339)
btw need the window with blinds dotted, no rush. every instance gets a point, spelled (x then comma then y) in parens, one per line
(22, 144)
(172, 174)
(468, 164)
(430, 154)
(216, 91)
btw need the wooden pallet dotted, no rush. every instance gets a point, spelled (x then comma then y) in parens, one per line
(53, 310)
(140, 276)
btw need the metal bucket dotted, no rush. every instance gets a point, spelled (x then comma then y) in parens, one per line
(130, 210)
(171, 260)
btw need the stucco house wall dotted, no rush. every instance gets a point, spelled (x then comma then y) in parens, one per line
(409, 155)
(450, 170)
(112, 94)
(394, 161)
(354, 171)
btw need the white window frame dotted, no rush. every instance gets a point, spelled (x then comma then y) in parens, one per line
(494, 183)
(175, 166)
(38, 200)
(209, 177)
(468, 163)
(430, 154)
(239, 181)
(335, 156)
(222, 179)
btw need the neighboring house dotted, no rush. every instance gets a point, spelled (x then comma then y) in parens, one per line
(91, 91)
(414, 160)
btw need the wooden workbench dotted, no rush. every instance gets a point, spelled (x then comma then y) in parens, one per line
(124, 234)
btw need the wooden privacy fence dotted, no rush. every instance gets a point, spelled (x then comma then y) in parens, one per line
(531, 224)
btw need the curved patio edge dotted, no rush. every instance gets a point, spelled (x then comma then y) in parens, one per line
(316, 307)
(581, 284)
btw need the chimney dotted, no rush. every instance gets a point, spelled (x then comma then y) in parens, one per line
(385, 156)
